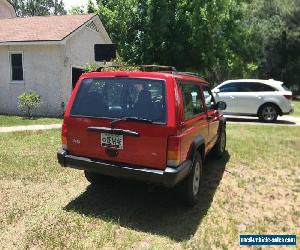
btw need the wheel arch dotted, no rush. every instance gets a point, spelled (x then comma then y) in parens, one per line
(272, 103)
(222, 124)
(198, 145)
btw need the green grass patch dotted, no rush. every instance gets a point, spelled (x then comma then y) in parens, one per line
(253, 189)
(296, 108)
(9, 121)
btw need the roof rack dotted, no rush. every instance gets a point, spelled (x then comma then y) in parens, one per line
(171, 70)
(191, 74)
(184, 73)
(159, 68)
(111, 66)
(142, 67)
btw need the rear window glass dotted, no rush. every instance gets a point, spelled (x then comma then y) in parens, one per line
(285, 87)
(121, 97)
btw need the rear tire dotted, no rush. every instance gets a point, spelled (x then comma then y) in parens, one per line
(268, 113)
(219, 148)
(94, 178)
(189, 188)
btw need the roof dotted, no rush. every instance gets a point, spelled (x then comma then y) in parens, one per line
(143, 74)
(40, 28)
(269, 82)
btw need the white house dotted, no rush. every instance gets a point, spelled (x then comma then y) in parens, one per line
(46, 55)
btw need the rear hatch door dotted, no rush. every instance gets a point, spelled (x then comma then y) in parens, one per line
(122, 120)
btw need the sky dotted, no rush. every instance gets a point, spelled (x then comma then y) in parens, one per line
(70, 3)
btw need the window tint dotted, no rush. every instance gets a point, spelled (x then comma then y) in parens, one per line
(245, 87)
(209, 98)
(191, 100)
(254, 87)
(264, 87)
(16, 61)
(229, 87)
(285, 87)
(121, 97)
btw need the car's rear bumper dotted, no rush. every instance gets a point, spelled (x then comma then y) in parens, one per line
(289, 112)
(168, 177)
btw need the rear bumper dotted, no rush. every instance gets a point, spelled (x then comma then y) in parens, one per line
(168, 177)
(289, 112)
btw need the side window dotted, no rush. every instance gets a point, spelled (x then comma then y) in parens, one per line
(253, 87)
(229, 87)
(191, 100)
(16, 65)
(260, 87)
(245, 86)
(209, 98)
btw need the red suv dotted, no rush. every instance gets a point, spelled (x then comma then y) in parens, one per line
(155, 127)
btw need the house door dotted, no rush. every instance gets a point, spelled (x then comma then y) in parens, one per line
(76, 73)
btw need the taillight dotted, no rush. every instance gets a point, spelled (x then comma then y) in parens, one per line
(289, 97)
(173, 155)
(64, 135)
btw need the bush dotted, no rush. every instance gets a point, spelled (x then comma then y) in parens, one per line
(28, 102)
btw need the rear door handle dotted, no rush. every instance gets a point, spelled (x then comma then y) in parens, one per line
(258, 97)
(232, 97)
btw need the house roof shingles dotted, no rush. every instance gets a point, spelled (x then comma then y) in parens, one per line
(40, 28)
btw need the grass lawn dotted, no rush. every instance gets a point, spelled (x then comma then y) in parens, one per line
(296, 108)
(254, 189)
(8, 121)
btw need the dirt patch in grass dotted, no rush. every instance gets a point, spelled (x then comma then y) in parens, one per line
(254, 189)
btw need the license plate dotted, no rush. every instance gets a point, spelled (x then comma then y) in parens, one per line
(111, 141)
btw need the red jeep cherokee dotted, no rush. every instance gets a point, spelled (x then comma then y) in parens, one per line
(155, 127)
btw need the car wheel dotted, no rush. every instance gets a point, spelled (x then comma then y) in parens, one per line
(219, 148)
(268, 113)
(94, 178)
(189, 188)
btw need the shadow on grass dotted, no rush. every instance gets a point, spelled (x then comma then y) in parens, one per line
(134, 206)
(256, 120)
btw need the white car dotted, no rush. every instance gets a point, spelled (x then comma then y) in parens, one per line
(263, 98)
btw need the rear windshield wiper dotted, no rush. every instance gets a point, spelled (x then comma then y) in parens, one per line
(136, 119)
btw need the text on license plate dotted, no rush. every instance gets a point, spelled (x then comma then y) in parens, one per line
(111, 141)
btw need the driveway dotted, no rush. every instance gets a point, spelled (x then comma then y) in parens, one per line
(29, 128)
(282, 120)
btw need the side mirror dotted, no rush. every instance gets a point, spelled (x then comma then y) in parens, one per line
(221, 105)
(216, 91)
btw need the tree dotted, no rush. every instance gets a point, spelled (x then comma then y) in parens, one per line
(38, 7)
(122, 21)
(277, 28)
(204, 36)
(147, 31)
(91, 7)
(221, 39)
(76, 10)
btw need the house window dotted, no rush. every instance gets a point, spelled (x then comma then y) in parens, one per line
(16, 65)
